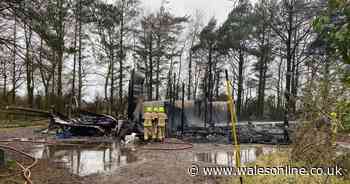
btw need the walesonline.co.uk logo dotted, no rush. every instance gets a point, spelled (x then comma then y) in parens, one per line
(195, 170)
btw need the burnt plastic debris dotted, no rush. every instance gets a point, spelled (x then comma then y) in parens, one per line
(86, 124)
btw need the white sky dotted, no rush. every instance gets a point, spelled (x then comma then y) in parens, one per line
(217, 8)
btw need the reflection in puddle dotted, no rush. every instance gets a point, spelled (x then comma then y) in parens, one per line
(248, 154)
(83, 160)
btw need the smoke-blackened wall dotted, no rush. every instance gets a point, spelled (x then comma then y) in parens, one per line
(194, 114)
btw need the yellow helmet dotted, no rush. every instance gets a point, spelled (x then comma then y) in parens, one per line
(147, 109)
(161, 109)
(155, 109)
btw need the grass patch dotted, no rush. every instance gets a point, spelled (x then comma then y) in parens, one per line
(280, 159)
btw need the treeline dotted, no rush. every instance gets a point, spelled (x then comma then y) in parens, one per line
(57, 47)
(279, 59)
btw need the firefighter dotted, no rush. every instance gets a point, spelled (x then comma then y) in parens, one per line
(162, 117)
(155, 123)
(147, 124)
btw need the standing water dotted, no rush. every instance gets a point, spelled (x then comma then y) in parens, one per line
(86, 160)
(227, 158)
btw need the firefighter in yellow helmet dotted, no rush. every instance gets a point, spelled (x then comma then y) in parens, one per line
(162, 117)
(147, 124)
(155, 123)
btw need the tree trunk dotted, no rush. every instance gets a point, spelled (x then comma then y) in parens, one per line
(111, 97)
(179, 75)
(189, 76)
(218, 78)
(60, 52)
(278, 84)
(287, 91)
(292, 83)
(295, 78)
(53, 86)
(263, 88)
(168, 89)
(107, 80)
(261, 96)
(296, 85)
(206, 98)
(150, 57)
(4, 93)
(29, 66)
(325, 85)
(75, 57)
(44, 79)
(158, 54)
(80, 75)
(260, 88)
(14, 63)
(158, 70)
(196, 81)
(121, 56)
(210, 85)
(174, 89)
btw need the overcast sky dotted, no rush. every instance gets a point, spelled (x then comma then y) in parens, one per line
(217, 8)
(209, 8)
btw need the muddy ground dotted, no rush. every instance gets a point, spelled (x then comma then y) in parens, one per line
(140, 165)
(151, 166)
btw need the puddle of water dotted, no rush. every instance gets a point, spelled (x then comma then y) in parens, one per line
(227, 158)
(87, 160)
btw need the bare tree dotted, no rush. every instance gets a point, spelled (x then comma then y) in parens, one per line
(195, 25)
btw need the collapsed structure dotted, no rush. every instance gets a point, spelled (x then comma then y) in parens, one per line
(85, 124)
(193, 117)
(182, 117)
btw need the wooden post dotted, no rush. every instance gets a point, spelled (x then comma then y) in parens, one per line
(2, 158)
